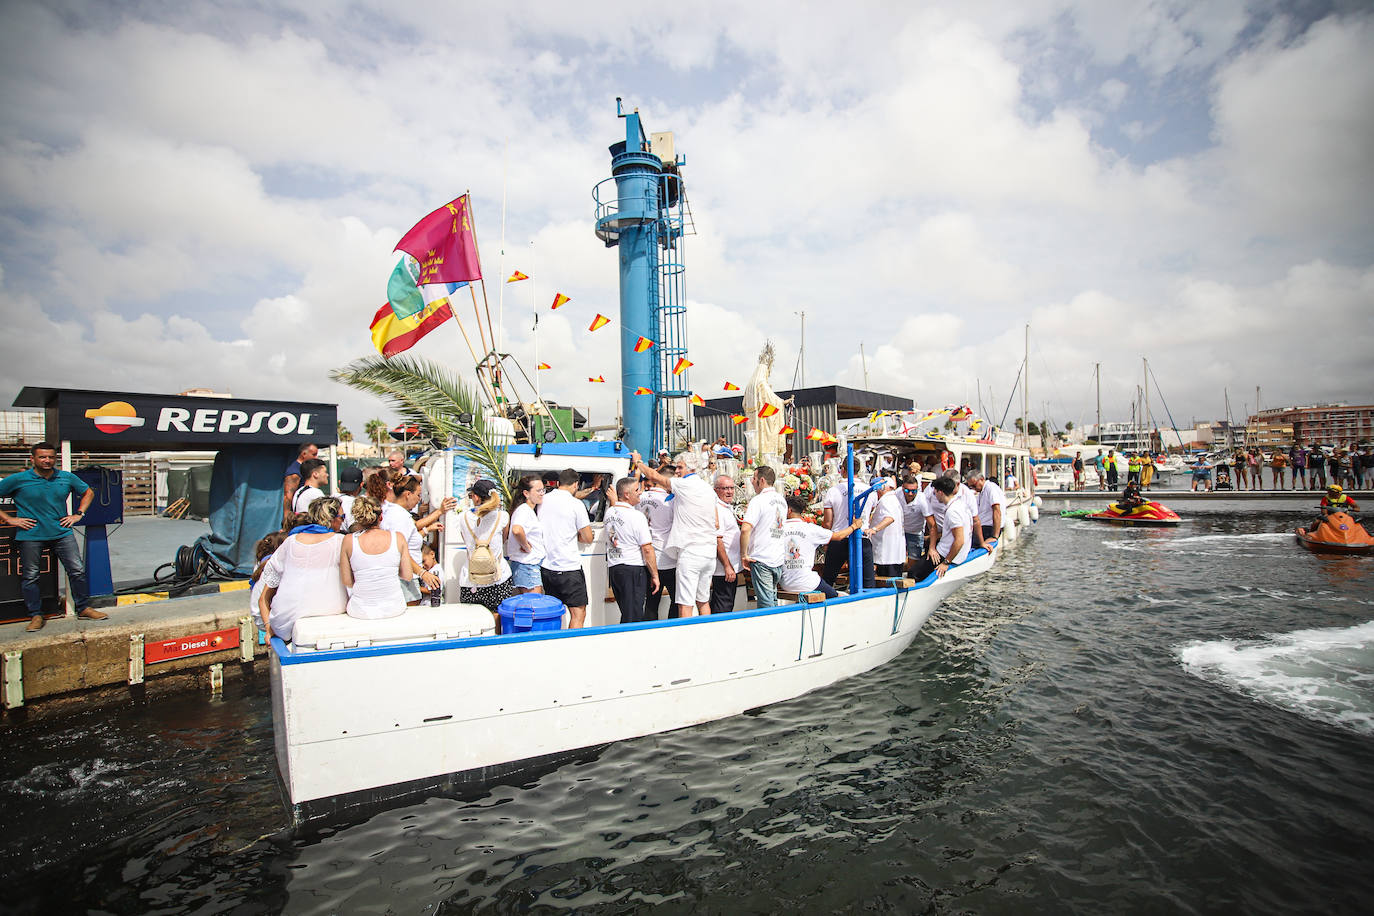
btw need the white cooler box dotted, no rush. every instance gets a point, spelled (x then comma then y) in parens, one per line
(417, 624)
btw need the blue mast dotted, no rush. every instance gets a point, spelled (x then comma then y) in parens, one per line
(644, 216)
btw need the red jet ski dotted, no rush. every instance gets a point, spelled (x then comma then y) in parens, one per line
(1150, 514)
(1339, 533)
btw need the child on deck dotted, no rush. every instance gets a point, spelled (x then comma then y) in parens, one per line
(432, 597)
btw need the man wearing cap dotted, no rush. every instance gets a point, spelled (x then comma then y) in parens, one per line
(1335, 500)
(350, 482)
(40, 496)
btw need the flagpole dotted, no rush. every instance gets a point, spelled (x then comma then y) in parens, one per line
(501, 258)
(494, 383)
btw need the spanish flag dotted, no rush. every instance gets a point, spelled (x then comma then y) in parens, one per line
(392, 335)
(559, 299)
(682, 365)
(543, 366)
(731, 386)
(597, 379)
(767, 410)
(786, 431)
(642, 390)
(517, 277)
(697, 400)
(817, 434)
(643, 344)
(600, 321)
(738, 418)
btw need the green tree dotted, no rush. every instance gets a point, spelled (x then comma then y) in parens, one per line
(377, 432)
(1068, 426)
(343, 433)
(433, 399)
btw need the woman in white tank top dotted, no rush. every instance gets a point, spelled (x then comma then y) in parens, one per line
(372, 564)
(301, 579)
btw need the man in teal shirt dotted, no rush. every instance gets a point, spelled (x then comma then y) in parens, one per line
(40, 496)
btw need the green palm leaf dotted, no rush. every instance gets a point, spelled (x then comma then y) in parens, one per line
(432, 398)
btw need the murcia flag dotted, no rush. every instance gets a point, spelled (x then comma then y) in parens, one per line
(682, 365)
(643, 344)
(731, 386)
(642, 390)
(767, 410)
(597, 379)
(543, 366)
(444, 245)
(600, 321)
(559, 299)
(517, 277)
(738, 418)
(697, 400)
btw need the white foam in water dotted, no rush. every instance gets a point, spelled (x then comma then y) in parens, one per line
(1325, 674)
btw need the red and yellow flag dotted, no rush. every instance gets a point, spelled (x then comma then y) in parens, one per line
(786, 431)
(682, 365)
(559, 299)
(392, 335)
(642, 390)
(738, 418)
(697, 400)
(543, 366)
(731, 386)
(600, 321)
(643, 344)
(767, 410)
(517, 277)
(597, 379)
(817, 434)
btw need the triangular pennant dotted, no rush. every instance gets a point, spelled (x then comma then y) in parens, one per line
(559, 299)
(767, 410)
(597, 379)
(786, 431)
(731, 386)
(642, 390)
(517, 277)
(682, 365)
(600, 321)
(543, 366)
(697, 400)
(738, 418)
(643, 344)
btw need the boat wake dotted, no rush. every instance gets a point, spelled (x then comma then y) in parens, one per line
(1322, 674)
(1209, 543)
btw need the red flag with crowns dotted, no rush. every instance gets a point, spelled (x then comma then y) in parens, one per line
(444, 245)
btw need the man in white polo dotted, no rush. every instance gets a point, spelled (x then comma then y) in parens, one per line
(761, 544)
(566, 526)
(955, 530)
(992, 504)
(694, 535)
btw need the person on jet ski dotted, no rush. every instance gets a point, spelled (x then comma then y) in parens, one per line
(1130, 499)
(1335, 500)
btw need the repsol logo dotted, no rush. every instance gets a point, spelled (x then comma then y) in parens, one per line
(215, 420)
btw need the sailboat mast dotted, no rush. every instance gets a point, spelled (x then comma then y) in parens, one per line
(1149, 438)
(1097, 375)
(1025, 390)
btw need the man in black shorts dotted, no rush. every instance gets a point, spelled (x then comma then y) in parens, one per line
(566, 526)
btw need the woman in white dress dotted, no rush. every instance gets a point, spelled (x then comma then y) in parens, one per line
(373, 563)
(525, 543)
(483, 528)
(302, 577)
(402, 496)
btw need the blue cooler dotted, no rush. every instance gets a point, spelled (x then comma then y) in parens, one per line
(530, 613)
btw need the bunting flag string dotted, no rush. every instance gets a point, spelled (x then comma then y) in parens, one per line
(682, 365)
(767, 410)
(697, 400)
(517, 277)
(643, 344)
(599, 322)
(559, 299)
(738, 418)
(786, 431)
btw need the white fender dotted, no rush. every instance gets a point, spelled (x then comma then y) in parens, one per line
(1009, 529)
(1035, 512)
(1022, 515)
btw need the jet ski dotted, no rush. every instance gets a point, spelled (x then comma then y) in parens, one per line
(1339, 533)
(1150, 514)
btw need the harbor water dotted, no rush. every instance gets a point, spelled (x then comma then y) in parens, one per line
(1115, 720)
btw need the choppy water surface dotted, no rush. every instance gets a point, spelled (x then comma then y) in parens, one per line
(1116, 721)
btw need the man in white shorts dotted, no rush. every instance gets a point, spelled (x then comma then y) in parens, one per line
(694, 535)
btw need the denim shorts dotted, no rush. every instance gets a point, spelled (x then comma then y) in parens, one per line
(525, 575)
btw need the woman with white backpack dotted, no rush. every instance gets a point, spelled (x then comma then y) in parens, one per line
(486, 577)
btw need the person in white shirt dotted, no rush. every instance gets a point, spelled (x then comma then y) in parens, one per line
(913, 512)
(693, 537)
(302, 578)
(800, 539)
(314, 478)
(725, 580)
(630, 558)
(566, 527)
(835, 515)
(658, 512)
(402, 496)
(955, 531)
(525, 542)
(485, 524)
(888, 532)
(350, 485)
(372, 563)
(760, 537)
(992, 504)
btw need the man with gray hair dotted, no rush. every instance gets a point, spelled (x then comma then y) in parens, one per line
(761, 537)
(630, 560)
(992, 504)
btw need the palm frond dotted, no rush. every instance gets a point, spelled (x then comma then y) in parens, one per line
(433, 399)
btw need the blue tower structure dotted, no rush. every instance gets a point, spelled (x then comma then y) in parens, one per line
(642, 208)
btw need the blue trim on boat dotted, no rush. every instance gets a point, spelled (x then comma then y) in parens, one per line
(288, 656)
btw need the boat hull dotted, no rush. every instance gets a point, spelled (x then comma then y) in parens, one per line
(377, 723)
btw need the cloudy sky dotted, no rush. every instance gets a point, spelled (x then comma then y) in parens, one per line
(208, 194)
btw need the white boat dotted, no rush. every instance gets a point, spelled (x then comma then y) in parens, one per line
(366, 712)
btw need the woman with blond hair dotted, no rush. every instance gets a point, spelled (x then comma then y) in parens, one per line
(302, 578)
(373, 563)
(402, 496)
(486, 577)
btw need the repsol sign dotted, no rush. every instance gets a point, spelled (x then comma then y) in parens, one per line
(114, 419)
